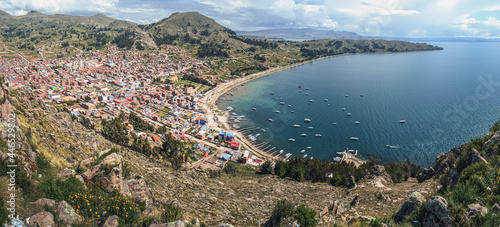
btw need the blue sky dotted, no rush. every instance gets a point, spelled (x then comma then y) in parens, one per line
(409, 18)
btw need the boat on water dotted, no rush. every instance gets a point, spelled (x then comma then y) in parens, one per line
(307, 120)
(229, 108)
(282, 103)
(356, 122)
(307, 88)
(337, 159)
(300, 86)
(348, 114)
(303, 134)
(307, 93)
(291, 140)
(271, 120)
(318, 135)
(305, 156)
(289, 105)
(362, 95)
(346, 95)
(311, 158)
(234, 114)
(326, 100)
(254, 108)
(402, 121)
(281, 151)
(292, 111)
(310, 128)
(300, 90)
(328, 104)
(237, 121)
(263, 130)
(308, 148)
(343, 109)
(311, 100)
(296, 126)
(277, 111)
(354, 138)
(389, 146)
(288, 155)
(272, 93)
(302, 151)
(257, 135)
(334, 123)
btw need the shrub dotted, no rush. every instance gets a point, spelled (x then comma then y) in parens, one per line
(282, 210)
(172, 213)
(44, 167)
(266, 168)
(4, 213)
(59, 190)
(305, 216)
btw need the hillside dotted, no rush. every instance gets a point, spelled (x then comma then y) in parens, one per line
(301, 34)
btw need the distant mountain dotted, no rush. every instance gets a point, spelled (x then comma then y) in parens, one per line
(440, 39)
(302, 34)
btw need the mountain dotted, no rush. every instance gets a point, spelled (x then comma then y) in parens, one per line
(302, 34)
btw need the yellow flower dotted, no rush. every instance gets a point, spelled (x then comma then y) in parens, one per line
(90, 209)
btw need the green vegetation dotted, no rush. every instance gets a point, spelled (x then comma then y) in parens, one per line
(400, 172)
(171, 213)
(58, 189)
(284, 214)
(4, 213)
(115, 131)
(139, 123)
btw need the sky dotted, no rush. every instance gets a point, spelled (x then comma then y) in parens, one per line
(401, 18)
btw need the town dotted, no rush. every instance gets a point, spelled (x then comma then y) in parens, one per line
(99, 86)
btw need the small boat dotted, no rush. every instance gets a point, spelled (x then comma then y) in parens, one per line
(254, 108)
(271, 120)
(263, 130)
(296, 126)
(307, 120)
(328, 104)
(311, 158)
(289, 105)
(282, 103)
(229, 108)
(337, 159)
(305, 156)
(362, 95)
(310, 128)
(303, 134)
(291, 140)
(402, 121)
(318, 135)
(346, 95)
(237, 121)
(302, 151)
(343, 109)
(311, 100)
(300, 86)
(307, 93)
(308, 148)
(257, 135)
(389, 146)
(300, 90)
(348, 114)
(288, 155)
(272, 93)
(281, 151)
(334, 123)
(277, 111)
(292, 111)
(326, 100)
(354, 138)
(307, 88)
(356, 122)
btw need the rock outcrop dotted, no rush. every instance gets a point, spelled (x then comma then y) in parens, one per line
(111, 221)
(437, 212)
(409, 206)
(355, 201)
(68, 214)
(42, 219)
(474, 209)
(495, 139)
(379, 171)
(43, 202)
(352, 183)
(476, 157)
(427, 174)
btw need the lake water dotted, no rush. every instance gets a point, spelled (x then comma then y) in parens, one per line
(446, 97)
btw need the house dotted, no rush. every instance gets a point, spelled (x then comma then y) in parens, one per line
(225, 156)
(235, 145)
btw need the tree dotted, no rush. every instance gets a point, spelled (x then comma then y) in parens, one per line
(266, 168)
(161, 130)
(281, 211)
(115, 131)
(87, 98)
(280, 168)
(305, 216)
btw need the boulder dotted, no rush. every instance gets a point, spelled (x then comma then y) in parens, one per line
(427, 174)
(475, 209)
(111, 221)
(91, 173)
(42, 219)
(352, 182)
(409, 206)
(44, 201)
(112, 159)
(137, 188)
(476, 157)
(495, 139)
(379, 171)
(224, 225)
(68, 214)
(66, 173)
(179, 223)
(437, 213)
(496, 207)
(355, 201)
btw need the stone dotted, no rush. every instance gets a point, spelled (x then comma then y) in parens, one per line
(352, 182)
(91, 173)
(112, 159)
(437, 213)
(412, 180)
(427, 174)
(87, 162)
(495, 139)
(496, 207)
(179, 224)
(68, 214)
(379, 171)
(476, 157)
(65, 173)
(44, 201)
(196, 222)
(409, 206)
(42, 219)
(355, 201)
(475, 208)
(80, 178)
(111, 221)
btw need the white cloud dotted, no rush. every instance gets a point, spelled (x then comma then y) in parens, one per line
(473, 27)
(492, 8)
(18, 7)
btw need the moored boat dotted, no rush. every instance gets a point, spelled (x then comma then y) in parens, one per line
(318, 135)
(291, 140)
(307, 120)
(303, 134)
(296, 126)
(354, 138)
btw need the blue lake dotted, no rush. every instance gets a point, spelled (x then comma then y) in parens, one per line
(446, 97)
